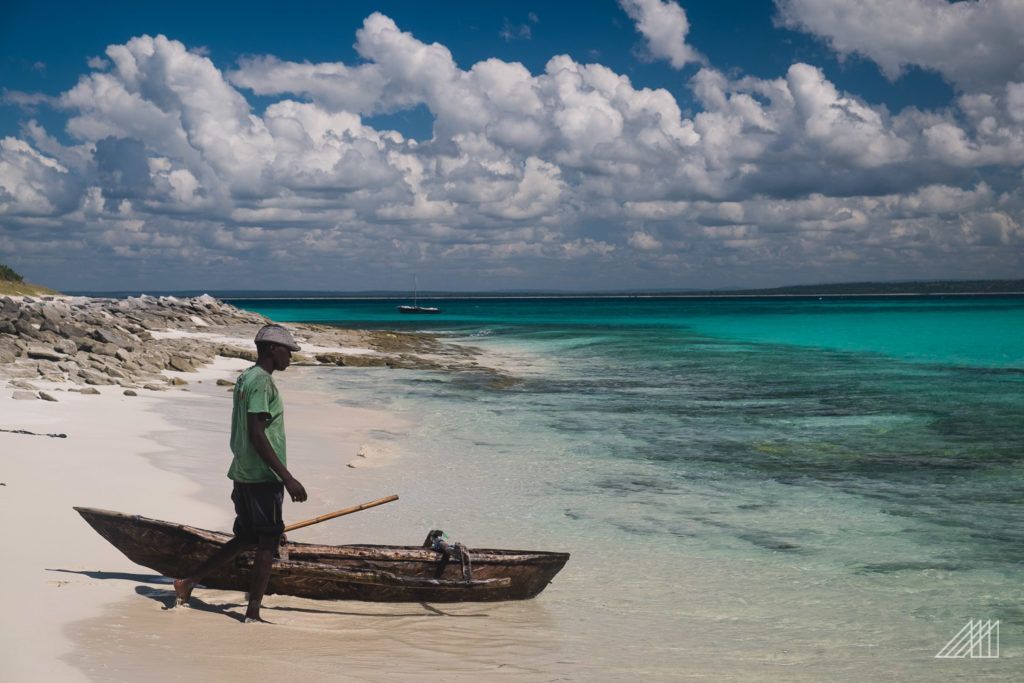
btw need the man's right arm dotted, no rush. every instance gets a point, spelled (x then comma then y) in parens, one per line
(257, 424)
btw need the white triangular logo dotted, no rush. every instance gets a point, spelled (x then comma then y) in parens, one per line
(976, 640)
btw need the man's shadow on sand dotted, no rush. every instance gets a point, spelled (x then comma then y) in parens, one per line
(168, 599)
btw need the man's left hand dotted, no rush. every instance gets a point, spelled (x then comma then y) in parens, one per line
(296, 490)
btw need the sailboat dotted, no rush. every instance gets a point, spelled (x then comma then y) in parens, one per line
(416, 308)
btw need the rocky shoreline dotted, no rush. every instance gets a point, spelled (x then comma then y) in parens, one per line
(134, 343)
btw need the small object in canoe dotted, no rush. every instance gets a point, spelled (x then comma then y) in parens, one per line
(375, 573)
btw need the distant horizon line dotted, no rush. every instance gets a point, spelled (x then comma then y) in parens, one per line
(994, 287)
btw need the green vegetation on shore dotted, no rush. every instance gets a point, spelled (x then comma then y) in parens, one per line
(9, 274)
(12, 283)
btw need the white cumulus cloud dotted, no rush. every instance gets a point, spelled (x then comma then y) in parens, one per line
(977, 45)
(664, 26)
(643, 241)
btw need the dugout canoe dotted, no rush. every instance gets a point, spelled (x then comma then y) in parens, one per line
(376, 573)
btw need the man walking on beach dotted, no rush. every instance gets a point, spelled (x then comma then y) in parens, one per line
(258, 469)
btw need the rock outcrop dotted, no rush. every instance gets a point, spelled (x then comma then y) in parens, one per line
(133, 342)
(108, 341)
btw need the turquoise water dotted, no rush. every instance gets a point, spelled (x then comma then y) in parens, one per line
(872, 446)
(970, 331)
(908, 403)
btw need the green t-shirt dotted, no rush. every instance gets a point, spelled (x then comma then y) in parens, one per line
(255, 392)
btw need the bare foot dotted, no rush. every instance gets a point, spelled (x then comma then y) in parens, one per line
(183, 591)
(255, 620)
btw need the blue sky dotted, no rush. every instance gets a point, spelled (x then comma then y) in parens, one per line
(573, 145)
(734, 34)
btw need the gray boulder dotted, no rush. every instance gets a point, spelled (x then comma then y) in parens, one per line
(104, 349)
(112, 372)
(43, 353)
(49, 326)
(150, 368)
(110, 337)
(22, 395)
(51, 314)
(9, 306)
(72, 330)
(180, 363)
(49, 337)
(84, 344)
(66, 346)
(25, 330)
(235, 352)
(94, 377)
(69, 366)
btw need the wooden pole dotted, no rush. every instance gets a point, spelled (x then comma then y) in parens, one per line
(339, 513)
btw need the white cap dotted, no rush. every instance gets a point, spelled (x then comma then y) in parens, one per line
(278, 335)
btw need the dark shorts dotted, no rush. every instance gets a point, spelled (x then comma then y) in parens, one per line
(258, 510)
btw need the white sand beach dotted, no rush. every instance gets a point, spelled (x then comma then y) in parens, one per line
(116, 455)
(104, 461)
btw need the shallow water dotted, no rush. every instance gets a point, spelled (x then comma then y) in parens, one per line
(818, 488)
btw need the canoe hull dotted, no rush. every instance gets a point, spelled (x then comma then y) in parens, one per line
(348, 572)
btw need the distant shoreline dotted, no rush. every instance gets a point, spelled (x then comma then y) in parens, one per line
(915, 288)
(283, 296)
(492, 297)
